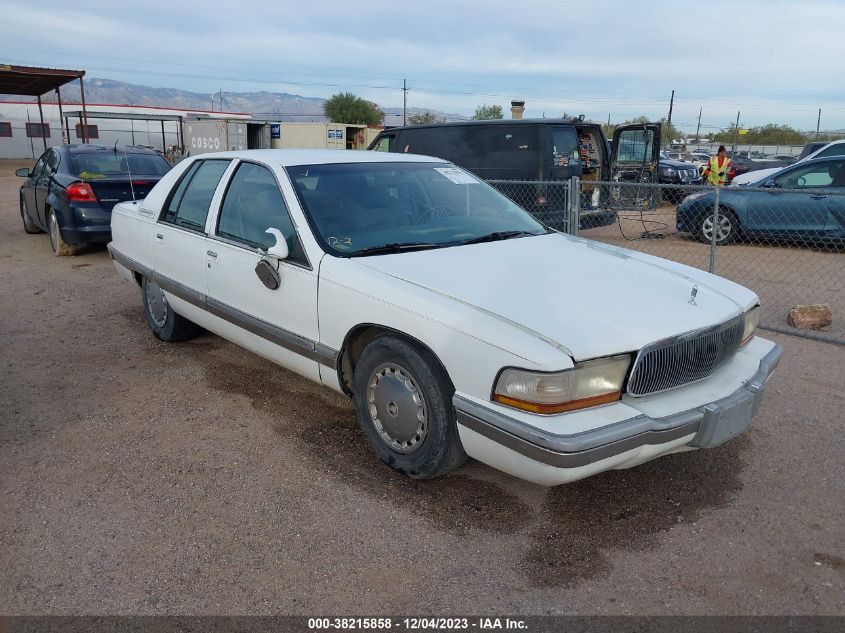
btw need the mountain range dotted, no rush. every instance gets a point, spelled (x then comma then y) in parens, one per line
(281, 106)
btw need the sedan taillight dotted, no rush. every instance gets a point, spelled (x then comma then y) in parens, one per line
(80, 192)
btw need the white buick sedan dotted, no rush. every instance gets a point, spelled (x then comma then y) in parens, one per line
(458, 324)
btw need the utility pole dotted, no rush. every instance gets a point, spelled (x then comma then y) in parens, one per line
(404, 102)
(669, 122)
(212, 102)
(698, 128)
(736, 132)
(818, 124)
(221, 100)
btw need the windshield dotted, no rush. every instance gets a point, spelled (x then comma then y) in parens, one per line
(89, 166)
(358, 207)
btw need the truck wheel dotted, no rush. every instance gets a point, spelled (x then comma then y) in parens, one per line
(727, 227)
(59, 246)
(163, 321)
(28, 225)
(403, 398)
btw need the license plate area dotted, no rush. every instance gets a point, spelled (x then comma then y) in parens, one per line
(725, 421)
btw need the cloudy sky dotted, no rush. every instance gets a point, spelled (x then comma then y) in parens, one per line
(775, 60)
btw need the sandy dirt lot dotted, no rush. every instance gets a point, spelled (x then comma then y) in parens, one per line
(140, 477)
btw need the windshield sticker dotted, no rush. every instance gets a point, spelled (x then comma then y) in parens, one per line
(456, 175)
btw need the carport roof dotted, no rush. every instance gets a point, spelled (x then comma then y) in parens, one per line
(33, 81)
(125, 115)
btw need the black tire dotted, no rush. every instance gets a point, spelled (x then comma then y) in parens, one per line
(729, 225)
(431, 449)
(163, 321)
(28, 225)
(57, 242)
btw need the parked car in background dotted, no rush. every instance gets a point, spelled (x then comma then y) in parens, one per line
(787, 159)
(811, 218)
(439, 307)
(537, 153)
(834, 148)
(677, 172)
(71, 190)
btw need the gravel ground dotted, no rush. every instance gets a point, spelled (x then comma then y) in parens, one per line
(140, 477)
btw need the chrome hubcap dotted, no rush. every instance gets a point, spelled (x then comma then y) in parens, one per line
(397, 408)
(156, 304)
(723, 227)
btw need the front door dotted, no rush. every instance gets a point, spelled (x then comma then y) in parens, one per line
(44, 182)
(794, 213)
(634, 157)
(278, 323)
(29, 190)
(179, 237)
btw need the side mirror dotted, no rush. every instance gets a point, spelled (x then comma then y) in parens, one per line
(770, 183)
(23, 172)
(280, 249)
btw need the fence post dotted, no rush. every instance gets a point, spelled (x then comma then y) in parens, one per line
(712, 267)
(573, 219)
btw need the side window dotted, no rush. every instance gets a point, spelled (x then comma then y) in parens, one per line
(39, 167)
(52, 163)
(254, 203)
(564, 147)
(635, 146)
(385, 144)
(814, 176)
(189, 203)
(833, 150)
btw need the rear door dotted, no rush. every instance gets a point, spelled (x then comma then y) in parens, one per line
(634, 157)
(179, 246)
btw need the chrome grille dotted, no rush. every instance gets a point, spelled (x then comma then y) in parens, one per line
(683, 359)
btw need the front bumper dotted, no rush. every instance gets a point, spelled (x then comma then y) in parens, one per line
(617, 445)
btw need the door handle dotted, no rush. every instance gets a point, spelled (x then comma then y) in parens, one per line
(818, 197)
(211, 254)
(159, 236)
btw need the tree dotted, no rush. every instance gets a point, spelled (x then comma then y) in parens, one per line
(768, 134)
(422, 119)
(486, 112)
(345, 107)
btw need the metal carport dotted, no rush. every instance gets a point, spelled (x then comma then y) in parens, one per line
(32, 81)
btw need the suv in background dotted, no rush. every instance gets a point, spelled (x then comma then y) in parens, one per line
(677, 172)
(537, 152)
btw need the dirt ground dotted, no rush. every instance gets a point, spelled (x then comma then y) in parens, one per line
(140, 477)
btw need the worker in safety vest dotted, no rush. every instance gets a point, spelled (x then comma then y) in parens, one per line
(717, 170)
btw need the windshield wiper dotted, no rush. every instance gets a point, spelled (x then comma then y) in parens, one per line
(498, 235)
(394, 247)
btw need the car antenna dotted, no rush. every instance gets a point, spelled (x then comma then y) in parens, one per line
(129, 171)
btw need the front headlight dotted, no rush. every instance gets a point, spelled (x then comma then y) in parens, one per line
(588, 384)
(670, 172)
(751, 320)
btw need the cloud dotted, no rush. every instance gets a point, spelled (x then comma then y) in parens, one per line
(771, 58)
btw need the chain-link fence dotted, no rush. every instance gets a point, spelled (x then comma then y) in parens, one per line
(786, 241)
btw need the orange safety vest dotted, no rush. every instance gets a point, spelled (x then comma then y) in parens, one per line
(718, 174)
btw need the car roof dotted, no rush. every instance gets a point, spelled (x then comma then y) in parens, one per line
(292, 157)
(87, 148)
(488, 122)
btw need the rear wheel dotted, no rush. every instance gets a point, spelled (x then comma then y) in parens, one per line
(403, 398)
(163, 321)
(726, 227)
(28, 225)
(60, 247)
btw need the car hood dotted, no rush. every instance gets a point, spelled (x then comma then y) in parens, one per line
(587, 298)
(755, 176)
(676, 164)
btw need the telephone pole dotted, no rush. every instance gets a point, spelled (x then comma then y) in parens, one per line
(818, 124)
(404, 102)
(698, 127)
(736, 131)
(669, 122)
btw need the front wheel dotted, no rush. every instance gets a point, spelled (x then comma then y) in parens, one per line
(403, 398)
(163, 321)
(726, 227)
